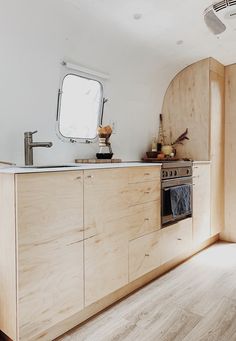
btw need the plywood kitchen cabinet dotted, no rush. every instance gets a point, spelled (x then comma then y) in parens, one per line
(74, 242)
(48, 234)
(114, 201)
(195, 100)
(201, 202)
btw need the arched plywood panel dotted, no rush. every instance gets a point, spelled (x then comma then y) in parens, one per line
(195, 100)
(186, 105)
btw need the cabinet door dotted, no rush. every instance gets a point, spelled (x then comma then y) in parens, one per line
(201, 203)
(144, 255)
(176, 240)
(106, 244)
(50, 249)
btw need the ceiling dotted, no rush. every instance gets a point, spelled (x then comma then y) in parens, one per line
(173, 30)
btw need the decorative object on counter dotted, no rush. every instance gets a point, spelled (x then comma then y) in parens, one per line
(167, 150)
(160, 150)
(159, 159)
(180, 139)
(152, 155)
(105, 150)
(163, 159)
(170, 150)
(160, 141)
(154, 144)
(94, 161)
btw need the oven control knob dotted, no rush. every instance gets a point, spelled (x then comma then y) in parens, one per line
(188, 171)
(176, 173)
(171, 173)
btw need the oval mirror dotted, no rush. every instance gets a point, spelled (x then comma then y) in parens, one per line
(80, 102)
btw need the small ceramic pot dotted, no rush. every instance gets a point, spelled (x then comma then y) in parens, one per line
(167, 150)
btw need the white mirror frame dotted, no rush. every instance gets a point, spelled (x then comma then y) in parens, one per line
(65, 73)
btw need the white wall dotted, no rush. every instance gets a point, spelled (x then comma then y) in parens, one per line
(35, 36)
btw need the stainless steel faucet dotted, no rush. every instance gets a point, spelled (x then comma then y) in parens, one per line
(29, 145)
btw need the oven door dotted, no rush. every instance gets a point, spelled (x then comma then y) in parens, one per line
(166, 214)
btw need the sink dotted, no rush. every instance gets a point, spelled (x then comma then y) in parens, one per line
(50, 166)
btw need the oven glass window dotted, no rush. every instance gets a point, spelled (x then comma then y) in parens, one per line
(166, 203)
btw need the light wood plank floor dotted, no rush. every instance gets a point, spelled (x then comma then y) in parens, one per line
(194, 302)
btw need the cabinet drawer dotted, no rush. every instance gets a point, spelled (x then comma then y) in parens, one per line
(144, 255)
(141, 174)
(139, 193)
(176, 240)
(144, 219)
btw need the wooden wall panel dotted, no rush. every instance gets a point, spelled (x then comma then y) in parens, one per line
(186, 105)
(230, 154)
(217, 113)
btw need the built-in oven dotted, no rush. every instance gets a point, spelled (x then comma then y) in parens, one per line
(176, 177)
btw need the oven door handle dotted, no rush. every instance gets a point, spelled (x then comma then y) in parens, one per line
(168, 188)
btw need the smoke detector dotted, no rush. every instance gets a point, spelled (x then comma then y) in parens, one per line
(219, 15)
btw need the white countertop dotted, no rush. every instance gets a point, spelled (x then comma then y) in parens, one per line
(201, 162)
(74, 167)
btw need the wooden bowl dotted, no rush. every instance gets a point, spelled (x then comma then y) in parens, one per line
(151, 155)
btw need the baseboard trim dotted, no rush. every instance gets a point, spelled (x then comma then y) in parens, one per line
(96, 308)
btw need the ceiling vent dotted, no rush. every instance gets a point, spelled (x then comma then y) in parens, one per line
(219, 15)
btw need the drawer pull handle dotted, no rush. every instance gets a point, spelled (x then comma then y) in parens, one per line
(146, 219)
(89, 177)
(179, 238)
(78, 178)
(146, 174)
(147, 192)
(147, 255)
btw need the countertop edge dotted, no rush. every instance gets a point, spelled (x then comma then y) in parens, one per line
(78, 167)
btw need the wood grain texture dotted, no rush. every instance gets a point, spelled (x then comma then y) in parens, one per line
(142, 174)
(195, 99)
(50, 249)
(217, 145)
(186, 105)
(217, 67)
(106, 244)
(229, 232)
(201, 202)
(195, 301)
(176, 239)
(98, 306)
(144, 255)
(8, 292)
(143, 219)
(113, 204)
